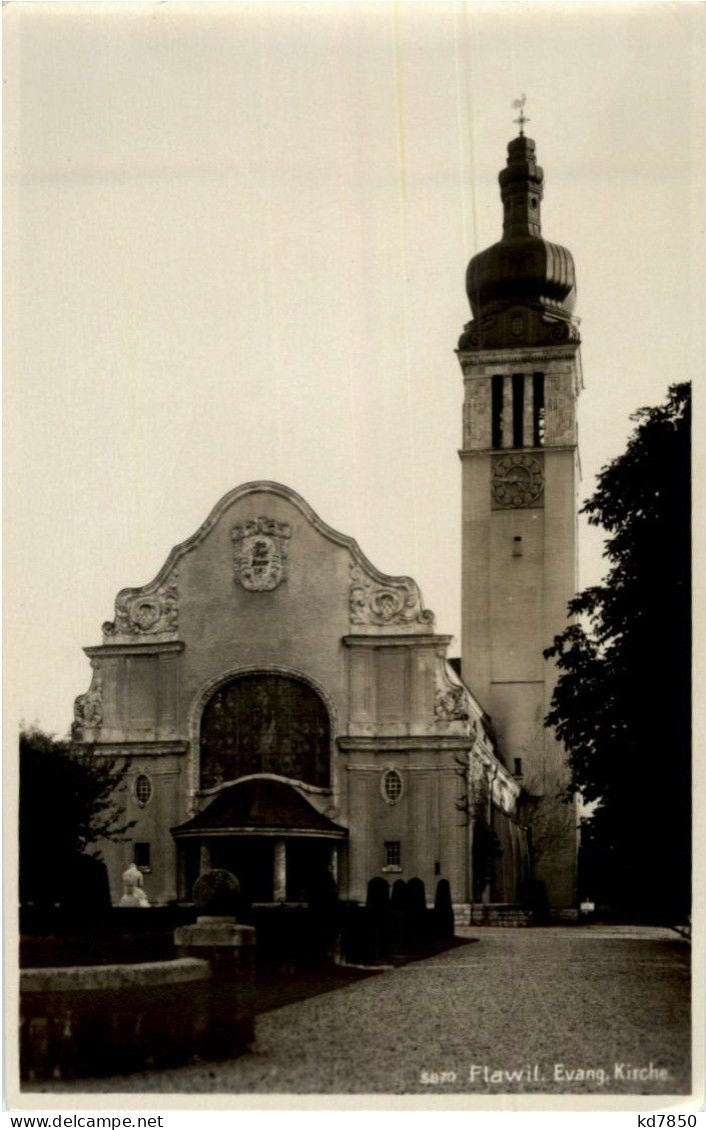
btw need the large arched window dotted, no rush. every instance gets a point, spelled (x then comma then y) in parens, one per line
(264, 723)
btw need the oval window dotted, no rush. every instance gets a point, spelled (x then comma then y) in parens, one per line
(392, 786)
(143, 789)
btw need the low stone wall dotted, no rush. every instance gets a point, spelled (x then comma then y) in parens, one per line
(141, 974)
(509, 914)
(564, 914)
(462, 913)
(95, 1020)
(498, 914)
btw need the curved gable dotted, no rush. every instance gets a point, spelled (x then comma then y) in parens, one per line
(260, 552)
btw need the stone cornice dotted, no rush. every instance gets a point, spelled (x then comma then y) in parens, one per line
(416, 640)
(154, 647)
(137, 749)
(518, 355)
(468, 453)
(384, 767)
(271, 833)
(404, 743)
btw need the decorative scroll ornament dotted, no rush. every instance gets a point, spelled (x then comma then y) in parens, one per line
(397, 602)
(451, 699)
(450, 705)
(519, 325)
(518, 481)
(260, 553)
(140, 613)
(88, 707)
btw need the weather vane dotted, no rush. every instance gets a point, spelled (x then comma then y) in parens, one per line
(519, 104)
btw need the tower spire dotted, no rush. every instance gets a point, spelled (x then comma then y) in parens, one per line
(521, 189)
(523, 269)
(519, 104)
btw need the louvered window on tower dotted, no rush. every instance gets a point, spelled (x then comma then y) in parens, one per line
(497, 413)
(518, 409)
(538, 409)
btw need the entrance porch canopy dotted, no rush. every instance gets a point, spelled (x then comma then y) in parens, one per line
(260, 806)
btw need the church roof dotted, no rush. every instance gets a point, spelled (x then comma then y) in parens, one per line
(260, 806)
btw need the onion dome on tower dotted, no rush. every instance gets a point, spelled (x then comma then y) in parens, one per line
(522, 290)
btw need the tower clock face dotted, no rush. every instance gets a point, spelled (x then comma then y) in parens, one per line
(518, 480)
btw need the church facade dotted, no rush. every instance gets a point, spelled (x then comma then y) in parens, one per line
(286, 709)
(288, 712)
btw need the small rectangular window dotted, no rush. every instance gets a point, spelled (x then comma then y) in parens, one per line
(393, 854)
(538, 409)
(518, 409)
(518, 766)
(142, 856)
(497, 413)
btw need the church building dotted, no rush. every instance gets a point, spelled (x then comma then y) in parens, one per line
(286, 711)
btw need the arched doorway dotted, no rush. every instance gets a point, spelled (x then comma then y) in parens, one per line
(265, 722)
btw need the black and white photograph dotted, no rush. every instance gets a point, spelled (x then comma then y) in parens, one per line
(348, 720)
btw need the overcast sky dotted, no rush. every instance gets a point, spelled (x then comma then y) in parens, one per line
(236, 243)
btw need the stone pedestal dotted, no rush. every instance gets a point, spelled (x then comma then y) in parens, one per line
(219, 939)
(229, 949)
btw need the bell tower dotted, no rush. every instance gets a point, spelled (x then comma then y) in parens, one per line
(521, 370)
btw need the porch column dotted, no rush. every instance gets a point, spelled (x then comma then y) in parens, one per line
(204, 858)
(182, 892)
(333, 865)
(280, 872)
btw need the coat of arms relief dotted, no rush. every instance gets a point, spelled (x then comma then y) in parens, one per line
(260, 552)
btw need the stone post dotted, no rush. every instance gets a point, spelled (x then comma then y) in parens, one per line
(229, 948)
(216, 935)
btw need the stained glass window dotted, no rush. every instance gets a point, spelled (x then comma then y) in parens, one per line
(264, 723)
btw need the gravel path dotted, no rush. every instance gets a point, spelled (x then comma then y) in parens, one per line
(540, 1003)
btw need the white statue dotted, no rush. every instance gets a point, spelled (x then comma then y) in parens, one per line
(133, 894)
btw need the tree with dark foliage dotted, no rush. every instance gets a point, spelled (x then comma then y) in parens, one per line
(67, 802)
(622, 704)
